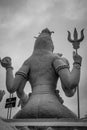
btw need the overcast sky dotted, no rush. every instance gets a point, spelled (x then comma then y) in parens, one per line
(21, 20)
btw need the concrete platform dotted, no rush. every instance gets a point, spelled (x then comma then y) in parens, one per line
(47, 122)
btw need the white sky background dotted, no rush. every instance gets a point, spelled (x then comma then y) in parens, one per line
(21, 20)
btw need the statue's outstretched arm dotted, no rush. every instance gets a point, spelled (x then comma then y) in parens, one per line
(13, 83)
(68, 79)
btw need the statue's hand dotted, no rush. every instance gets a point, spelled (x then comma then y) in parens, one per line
(77, 58)
(6, 62)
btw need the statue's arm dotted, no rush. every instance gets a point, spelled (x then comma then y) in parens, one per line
(69, 80)
(14, 83)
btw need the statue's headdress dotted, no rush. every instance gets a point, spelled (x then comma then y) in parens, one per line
(44, 40)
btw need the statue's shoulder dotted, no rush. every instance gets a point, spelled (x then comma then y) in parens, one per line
(27, 61)
(56, 56)
(60, 59)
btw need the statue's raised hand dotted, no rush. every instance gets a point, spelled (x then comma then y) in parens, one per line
(6, 62)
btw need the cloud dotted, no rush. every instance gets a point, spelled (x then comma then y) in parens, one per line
(16, 25)
(33, 13)
(75, 9)
(12, 5)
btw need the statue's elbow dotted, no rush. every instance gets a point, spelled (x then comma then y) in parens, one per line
(71, 84)
(11, 89)
(70, 91)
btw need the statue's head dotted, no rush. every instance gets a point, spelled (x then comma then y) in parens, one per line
(44, 41)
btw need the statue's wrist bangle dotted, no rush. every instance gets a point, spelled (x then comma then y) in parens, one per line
(77, 66)
(9, 67)
(77, 63)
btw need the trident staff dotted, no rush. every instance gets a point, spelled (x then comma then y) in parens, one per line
(76, 45)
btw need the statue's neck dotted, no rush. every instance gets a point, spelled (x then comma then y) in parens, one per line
(43, 51)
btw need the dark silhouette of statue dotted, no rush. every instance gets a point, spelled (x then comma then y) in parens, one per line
(43, 70)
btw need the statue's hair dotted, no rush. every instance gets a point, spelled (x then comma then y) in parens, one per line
(44, 41)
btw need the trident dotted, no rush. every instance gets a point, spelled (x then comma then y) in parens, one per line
(76, 45)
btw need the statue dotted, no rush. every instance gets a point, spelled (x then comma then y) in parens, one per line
(43, 69)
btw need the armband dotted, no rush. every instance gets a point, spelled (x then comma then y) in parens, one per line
(9, 67)
(60, 64)
(77, 66)
(77, 63)
(61, 67)
(23, 74)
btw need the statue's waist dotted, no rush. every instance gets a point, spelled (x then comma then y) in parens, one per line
(43, 89)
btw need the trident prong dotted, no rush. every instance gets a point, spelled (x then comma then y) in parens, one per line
(82, 35)
(75, 42)
(75, 35)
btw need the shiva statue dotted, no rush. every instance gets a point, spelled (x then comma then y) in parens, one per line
(43, 70)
